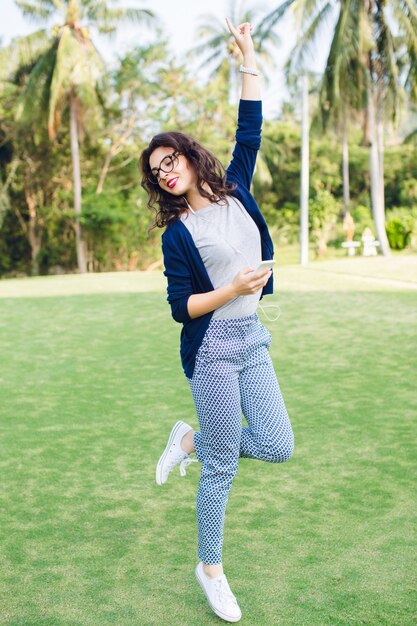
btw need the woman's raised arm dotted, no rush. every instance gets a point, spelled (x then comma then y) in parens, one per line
(251, 89)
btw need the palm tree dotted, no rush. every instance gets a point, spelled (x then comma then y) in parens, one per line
(361, 67)
(66, 75)
(218, 48)
(341, 93)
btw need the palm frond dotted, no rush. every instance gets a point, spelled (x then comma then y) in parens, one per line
(307, 39)
(270, 20)
(34, 101)
(106, 19)
(386, 65)
(214, 58)
(22, 52)
(37, 10)
(411, 80)
(263, 39)
(216, 36)
(409, 8)
(77, 69)
(343, 85)
(405, 12)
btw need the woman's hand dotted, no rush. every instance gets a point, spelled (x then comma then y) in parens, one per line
(250, 82)
(245, 283)
(248, 282)
(242, 35)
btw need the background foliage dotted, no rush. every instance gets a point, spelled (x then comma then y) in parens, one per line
(147, 92)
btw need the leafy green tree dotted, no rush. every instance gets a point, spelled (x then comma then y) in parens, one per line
(35, 170)
(362, 67)
(151, 92)
(67, 75)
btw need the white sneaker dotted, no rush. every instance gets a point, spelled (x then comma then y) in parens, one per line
(173, 454)
(219, 595)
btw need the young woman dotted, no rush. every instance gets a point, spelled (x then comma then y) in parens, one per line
(214, 241)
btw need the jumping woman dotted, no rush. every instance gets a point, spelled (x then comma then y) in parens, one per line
(213, 244)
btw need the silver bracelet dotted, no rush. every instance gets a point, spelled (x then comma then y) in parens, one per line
(247, 70)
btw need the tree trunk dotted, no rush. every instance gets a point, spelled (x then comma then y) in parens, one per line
(104, 171)
(116, 148)
(31, 228)
(366, 141)
(304, 178)
(75, 155)
(345, 170)
(380, 144)
(33, 237)
(377, 205)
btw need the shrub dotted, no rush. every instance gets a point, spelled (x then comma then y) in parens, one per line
(397, 233)
(401, 227)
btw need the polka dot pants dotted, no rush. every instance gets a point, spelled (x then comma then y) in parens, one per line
(234, 374)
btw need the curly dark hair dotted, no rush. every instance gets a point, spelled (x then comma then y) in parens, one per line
(208, 168)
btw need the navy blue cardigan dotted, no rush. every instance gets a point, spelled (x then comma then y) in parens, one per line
(184, 267)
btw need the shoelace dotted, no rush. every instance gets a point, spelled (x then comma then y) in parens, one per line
(172, 460)
(185, 463)
(224, 593)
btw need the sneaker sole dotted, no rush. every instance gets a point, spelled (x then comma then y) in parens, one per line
(165, 452)
(219, 613)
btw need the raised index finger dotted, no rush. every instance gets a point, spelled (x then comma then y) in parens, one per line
(232, 29)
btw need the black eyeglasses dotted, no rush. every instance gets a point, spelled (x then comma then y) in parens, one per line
(166, 165)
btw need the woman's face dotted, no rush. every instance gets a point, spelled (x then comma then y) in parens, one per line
(180, 179)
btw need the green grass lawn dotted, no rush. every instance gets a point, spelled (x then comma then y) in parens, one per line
(91, 384)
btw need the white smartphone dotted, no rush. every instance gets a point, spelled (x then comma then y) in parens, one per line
(265, 265)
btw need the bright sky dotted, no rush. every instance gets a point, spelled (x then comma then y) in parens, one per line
(179, 19)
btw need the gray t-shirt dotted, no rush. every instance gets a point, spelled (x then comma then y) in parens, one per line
(228, 240)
